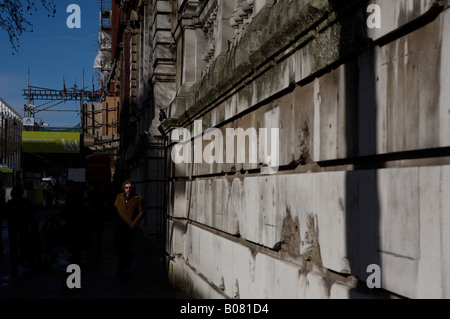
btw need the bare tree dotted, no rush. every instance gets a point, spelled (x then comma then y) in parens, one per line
(14, 15)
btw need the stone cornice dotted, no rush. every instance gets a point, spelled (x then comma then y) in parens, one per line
(267, 36)
(330, 31)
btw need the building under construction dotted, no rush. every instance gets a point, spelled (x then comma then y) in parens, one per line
(100, 126)
(10, 137)
(100, 120)
(99, 108)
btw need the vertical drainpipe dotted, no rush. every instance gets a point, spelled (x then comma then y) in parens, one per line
(166, 190)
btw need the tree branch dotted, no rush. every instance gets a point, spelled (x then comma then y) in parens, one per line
(14, 18)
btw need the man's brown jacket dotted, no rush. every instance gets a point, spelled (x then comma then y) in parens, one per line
(132, 212)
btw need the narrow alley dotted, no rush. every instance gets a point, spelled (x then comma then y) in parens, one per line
(99, 280)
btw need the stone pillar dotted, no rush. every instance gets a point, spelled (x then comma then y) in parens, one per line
(215, 19)
(190, 41)
(163, 65)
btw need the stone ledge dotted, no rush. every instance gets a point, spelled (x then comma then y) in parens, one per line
(266, 38)
(325, 29)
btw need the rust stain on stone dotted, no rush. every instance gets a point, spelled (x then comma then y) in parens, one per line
(304, 144)
(311, 241)
(290, 234)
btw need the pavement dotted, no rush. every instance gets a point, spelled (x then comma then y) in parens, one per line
(146, 278)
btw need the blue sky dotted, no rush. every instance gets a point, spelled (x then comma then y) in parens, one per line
(52, 51)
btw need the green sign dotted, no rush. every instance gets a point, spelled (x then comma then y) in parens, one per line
(5, 169)
(50, 142)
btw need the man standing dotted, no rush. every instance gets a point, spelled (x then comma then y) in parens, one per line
(129, 209)
(20, 222)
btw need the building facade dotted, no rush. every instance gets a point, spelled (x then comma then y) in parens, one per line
(291, 149)
(140, 84)
(11, 143)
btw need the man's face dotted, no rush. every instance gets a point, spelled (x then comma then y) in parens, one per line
(128, 189)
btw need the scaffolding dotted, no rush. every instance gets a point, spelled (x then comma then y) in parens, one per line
(105, 13)
(101, 119)
(103, 59)
(10, 143)
(101, 125)
(33, 93)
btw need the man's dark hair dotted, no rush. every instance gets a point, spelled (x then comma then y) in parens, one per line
(128, 181)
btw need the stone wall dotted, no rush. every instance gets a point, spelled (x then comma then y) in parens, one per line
(363, 129)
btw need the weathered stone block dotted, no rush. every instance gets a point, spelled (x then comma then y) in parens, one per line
(266, 285)
(396, 14)
(316, 287)
(215, 258)
(180, 199)
(175, 244)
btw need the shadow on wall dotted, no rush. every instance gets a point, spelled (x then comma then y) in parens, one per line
(362, 205)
